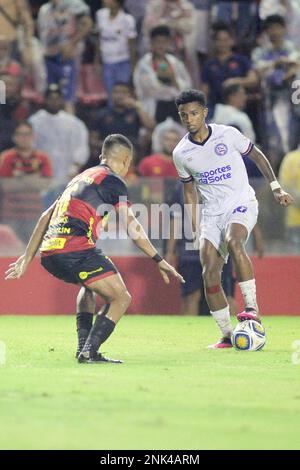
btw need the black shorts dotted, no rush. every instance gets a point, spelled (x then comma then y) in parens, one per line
(81, 267)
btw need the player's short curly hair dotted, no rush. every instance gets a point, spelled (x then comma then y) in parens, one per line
(115, 139)
(190, 96)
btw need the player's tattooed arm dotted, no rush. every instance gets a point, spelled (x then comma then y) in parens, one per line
(19, 267)
(261, 161)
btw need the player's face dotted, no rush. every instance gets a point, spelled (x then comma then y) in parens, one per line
(192, 116)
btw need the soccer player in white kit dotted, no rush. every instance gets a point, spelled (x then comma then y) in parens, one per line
(209, 160)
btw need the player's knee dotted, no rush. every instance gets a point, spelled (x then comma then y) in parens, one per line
(211, 274)
(124, 298)
(235, 246)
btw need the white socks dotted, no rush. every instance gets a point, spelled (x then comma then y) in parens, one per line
(222, 318)
(248, 289)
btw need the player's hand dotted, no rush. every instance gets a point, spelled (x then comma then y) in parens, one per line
(283, 198)
(166, 269)
(18, 268)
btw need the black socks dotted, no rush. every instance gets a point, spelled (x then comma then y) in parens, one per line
(100, 332)
(84, 322)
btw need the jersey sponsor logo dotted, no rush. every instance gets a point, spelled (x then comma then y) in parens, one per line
(84, 274)
(241, 209)
(53, 244)
(221, 149)
(214, 176)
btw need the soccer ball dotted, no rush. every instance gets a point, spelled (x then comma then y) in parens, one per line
(249, 335)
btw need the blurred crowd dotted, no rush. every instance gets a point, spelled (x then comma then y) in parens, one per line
(75, 71)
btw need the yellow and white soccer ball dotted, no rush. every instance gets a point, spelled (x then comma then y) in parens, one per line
(249, 335)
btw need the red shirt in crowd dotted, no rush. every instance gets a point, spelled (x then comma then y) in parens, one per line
(157, 165)
(12, 164)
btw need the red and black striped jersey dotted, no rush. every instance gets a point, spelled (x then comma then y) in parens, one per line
(76, 222)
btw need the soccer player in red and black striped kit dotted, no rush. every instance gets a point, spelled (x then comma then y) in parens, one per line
(67, 232)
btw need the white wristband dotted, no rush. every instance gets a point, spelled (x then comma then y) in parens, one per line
(275, 185)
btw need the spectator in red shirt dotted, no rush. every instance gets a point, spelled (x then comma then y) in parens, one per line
(161, 164)
(23, 159)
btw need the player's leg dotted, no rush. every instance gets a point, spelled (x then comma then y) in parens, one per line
(228, 283)
(212, 264)
(191, 290)
(85, 310)
(113, 290)
(190, 303)
(236, 237)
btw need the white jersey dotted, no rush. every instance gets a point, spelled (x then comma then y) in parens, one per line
(114, 35)
(216, 165)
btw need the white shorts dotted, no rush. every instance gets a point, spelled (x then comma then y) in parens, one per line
(214, 227)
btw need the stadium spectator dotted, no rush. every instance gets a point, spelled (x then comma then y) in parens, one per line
(232, 113)
(15, 18)
(7, 64)
(243, 14)
(289, 10)
(289, 175)
(159, 77)
(117, 43)
(180, 17)
(62, 136)
(126, 115)
(277, 63)
(95, 144)
(62, 25)
(137, 10)
(225, 67)
(158, 134)
(161, 164)
(15, 110)
(23, 159)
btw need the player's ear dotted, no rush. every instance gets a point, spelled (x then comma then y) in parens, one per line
(205, 113)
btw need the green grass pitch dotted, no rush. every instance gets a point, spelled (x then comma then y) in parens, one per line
(171, 392)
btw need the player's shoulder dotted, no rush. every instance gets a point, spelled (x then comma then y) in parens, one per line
(103, 175)
(182, 145)
(222, 129)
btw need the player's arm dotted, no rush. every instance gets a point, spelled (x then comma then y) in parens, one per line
(264, 166)
(139, 237)
(191, 199)
(18, 268)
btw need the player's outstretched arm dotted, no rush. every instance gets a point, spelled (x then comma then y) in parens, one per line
(19, 267)
(261, 161)
(139, 237)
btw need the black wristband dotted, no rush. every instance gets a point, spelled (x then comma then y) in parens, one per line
(157, 258)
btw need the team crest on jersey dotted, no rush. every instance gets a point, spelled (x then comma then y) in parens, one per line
(221, 149)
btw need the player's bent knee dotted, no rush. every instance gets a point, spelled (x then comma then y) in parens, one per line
(235, 246)
(211, 275)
